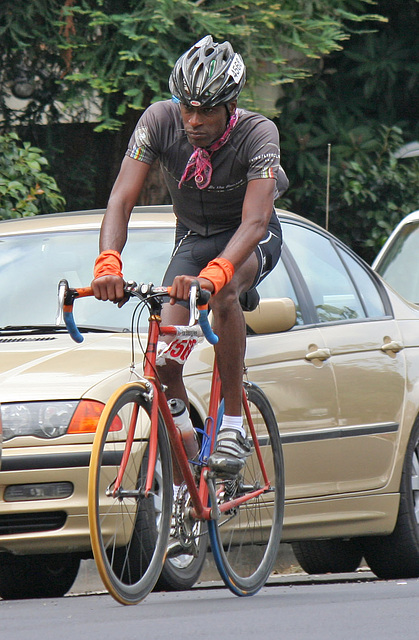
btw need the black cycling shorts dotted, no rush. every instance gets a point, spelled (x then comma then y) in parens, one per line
(192, 252)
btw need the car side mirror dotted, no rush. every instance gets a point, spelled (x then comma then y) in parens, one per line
(272, 315)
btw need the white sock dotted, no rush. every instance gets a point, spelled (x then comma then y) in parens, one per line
(233, 422)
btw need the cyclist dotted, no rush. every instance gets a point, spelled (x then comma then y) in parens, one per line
(222, 168)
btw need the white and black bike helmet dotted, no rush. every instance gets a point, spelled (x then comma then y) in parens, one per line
(208, 74)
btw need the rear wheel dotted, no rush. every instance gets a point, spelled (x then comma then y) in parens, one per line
(187, 548)
(397, 555)
(129, 532)
(245, 540)
(37, 576)
(328, 556)
(181, 572)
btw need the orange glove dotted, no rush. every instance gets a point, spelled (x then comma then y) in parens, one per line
(108, 263)
(219, 272)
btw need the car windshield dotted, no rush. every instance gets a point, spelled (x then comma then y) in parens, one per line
(398, 267)
(31, 266)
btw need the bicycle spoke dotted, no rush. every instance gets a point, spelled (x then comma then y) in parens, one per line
(245, 538)
(129, 531)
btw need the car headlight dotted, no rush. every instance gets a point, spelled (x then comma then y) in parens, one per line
(51, 419)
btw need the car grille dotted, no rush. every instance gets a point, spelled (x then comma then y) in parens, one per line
(16, 523)
(29, 339)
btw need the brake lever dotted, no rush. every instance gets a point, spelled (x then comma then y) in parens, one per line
(62, 292)
(66, 297)
(193, 308)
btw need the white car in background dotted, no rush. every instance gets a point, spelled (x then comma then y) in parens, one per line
(397, 262)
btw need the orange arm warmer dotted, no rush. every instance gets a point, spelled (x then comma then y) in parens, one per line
(219, 272)
(108, 263)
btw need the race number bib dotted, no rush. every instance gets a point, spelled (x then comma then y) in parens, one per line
(177, 350)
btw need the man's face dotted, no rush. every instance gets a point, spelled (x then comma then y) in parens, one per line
(204, 125)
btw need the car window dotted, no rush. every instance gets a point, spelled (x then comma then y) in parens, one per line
(398, 267)
(31, 266)
(332, 291)
(366, 288)
(278, 285)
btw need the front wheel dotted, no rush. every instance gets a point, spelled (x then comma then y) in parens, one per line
(129, 532)
(245, 540)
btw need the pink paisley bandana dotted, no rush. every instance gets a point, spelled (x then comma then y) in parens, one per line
(199, 164)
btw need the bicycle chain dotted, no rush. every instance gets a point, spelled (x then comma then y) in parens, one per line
(183, 524)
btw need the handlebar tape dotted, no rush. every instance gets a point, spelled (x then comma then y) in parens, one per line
(206, 327)
(72, 294)
(71, 325)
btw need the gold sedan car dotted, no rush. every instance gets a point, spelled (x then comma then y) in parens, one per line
(343, 382)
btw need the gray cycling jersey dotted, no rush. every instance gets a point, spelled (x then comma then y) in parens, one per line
(251, 152)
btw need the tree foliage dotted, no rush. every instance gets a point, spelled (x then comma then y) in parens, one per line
(348, 78)
(363, 102)
(372, 194)
(119, 53)
(25, 188)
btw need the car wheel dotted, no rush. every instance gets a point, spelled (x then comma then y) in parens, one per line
(328, 556)
(37, 576)
(397, 555)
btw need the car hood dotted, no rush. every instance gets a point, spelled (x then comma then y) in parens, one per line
(53, 367)
(47, 367)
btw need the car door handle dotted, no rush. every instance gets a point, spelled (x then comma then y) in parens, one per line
(318, 354)
(393, 346)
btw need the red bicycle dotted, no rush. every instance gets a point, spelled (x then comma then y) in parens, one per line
(131, 509)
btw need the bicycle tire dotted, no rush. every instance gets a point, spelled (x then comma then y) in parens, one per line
(129, 534)
(245, 541)
(182, 571)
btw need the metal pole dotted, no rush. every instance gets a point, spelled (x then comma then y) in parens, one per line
(329, 148)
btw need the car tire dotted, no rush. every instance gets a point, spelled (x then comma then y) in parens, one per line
(37, 576)
(328, 556)
(397, 555)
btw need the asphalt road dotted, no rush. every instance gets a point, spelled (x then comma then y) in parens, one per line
(291, 607)
(88, 579)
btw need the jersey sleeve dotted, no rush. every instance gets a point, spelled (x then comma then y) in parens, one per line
(265, 157)
(146, 139)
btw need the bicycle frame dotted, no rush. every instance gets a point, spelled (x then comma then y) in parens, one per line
(199, 495)
(204, 493)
